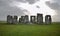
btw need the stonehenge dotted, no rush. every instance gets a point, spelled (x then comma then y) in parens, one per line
(26, 19)
(15, 19)
(48, 19)
(39, 18)
(11, 19)
(33, 19)
(22, 19)
(8, 18)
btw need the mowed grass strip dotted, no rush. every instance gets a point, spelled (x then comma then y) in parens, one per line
(30, 30)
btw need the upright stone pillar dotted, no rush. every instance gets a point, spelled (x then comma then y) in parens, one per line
(15, 19)
(39, 18)
(26, 19)
(9, 19)
(48, 19)
(32, 19)
(22, 19)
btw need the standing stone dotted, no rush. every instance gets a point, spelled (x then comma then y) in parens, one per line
(15, 19)
(48, 19)
(9, 19)
(39, 18)
(32, 19)
(22, 19)
(26, 19)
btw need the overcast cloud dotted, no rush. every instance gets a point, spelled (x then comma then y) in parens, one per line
(55, 5)
(7, 9)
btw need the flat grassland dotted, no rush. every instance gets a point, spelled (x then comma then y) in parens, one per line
(29, 29)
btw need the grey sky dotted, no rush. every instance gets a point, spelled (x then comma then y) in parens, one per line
(6, 9)
(9, 7)
(55, 5)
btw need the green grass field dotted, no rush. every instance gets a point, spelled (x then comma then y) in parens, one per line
(30, 30)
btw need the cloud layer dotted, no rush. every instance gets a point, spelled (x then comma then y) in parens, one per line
(55, 5)
(7, 9)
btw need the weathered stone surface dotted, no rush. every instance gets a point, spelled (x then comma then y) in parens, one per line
(32, 19)
(15, 19)
(26, 19)
(39, 18)
(22, 19)
(48, 19)
(9, 19)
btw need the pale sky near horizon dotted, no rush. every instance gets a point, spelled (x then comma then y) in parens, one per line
(30, 7)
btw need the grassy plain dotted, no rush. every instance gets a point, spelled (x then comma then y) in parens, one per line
(29, 29)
